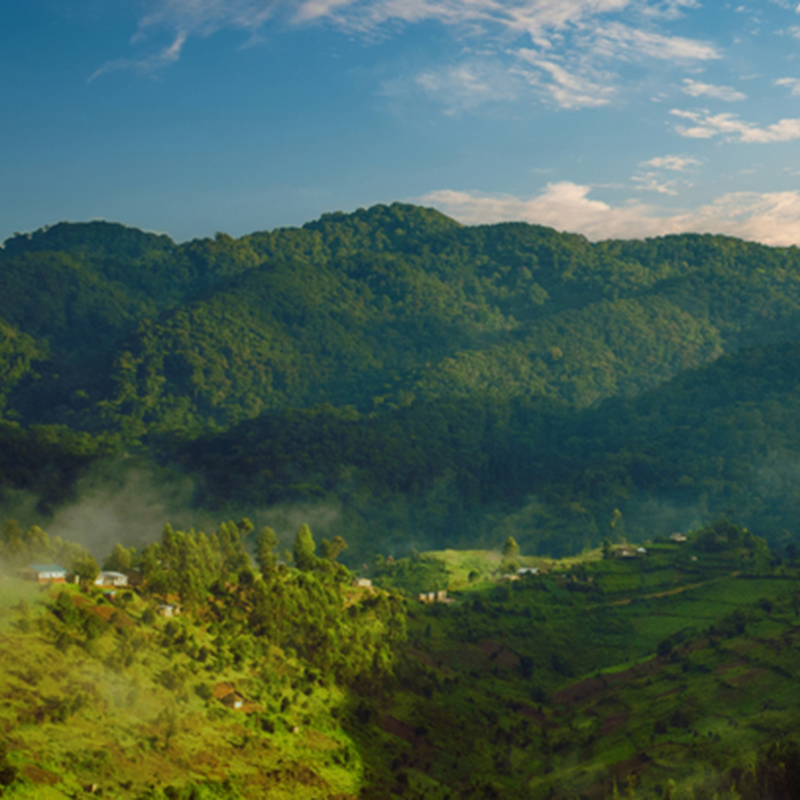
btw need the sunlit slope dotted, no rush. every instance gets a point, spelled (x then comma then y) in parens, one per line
(671, 672)
(675, 668)
(378, 304)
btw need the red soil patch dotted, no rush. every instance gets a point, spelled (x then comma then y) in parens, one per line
(745, 677)
(423, 657)
(398, 728)
(676, 690)
(489, 646)
(537, 716)
(508, 659)
(612, 722)
(499, 654)
(622, 769)
(579, 691)
(643, 670)
(223, 690)
(723, 668)
(38, 775)
(319, 741)
(105, 612)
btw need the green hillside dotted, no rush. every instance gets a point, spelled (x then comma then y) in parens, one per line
(658, 674)
(432, 384)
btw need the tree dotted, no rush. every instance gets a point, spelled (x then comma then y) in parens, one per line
(510, 549)
(86, 568)
(305, 557)
(330, 550)
(266, 542)
(120, 560)
(510, 554)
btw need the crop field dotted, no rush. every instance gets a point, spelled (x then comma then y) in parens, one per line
(635, 673)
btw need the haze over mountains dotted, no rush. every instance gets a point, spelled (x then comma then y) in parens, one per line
(427, 383)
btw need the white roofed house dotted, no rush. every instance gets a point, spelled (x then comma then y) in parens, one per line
(45, 573)
(111, 579)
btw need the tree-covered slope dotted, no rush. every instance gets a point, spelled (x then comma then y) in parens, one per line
(382, 303)
(435, 382)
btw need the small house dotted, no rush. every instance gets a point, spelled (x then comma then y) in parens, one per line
(227, 695)
(523, 571)
(45, 573)
(169, 610)
(115, 579)
(678, 537)
(233, 700)
(439, 596)
(363, 583)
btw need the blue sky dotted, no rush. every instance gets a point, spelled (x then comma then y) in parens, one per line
(613, 118)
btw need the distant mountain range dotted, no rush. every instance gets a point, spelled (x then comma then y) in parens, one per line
(434, 383)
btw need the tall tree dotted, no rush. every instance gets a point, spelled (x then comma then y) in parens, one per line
(266, 542)
(330, 550)
(305, 549)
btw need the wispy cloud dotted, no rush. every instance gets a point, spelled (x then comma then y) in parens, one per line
(650, 182)
(771, 217)
(147, 63)
(565, 49)
(792, 84)
(622, 41)
(461, 87)
(700, 89)
(730, 126)
(672, 163)
(578, 87)
(652, 176)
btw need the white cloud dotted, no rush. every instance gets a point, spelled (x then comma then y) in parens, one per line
(463, 86)
(673, 163)
(617, 41)
(573, 41)
(148, 63)
(792, 84)
(649, 181)
(729, 125)
(699, 89)
(772, 217)
(580, 88)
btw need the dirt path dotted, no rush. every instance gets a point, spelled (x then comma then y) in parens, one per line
(669, 592)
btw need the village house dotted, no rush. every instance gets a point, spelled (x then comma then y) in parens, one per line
(678, 537)
(169, 610)
(435, 597)
(45, 573)
(363, 583)
(522, 571)
(115, 579)
(227, 695)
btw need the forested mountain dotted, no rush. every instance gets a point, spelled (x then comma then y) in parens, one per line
(433, 383)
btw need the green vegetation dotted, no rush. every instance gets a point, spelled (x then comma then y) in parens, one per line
(494, 417)
(435, 385)
(666, 674)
